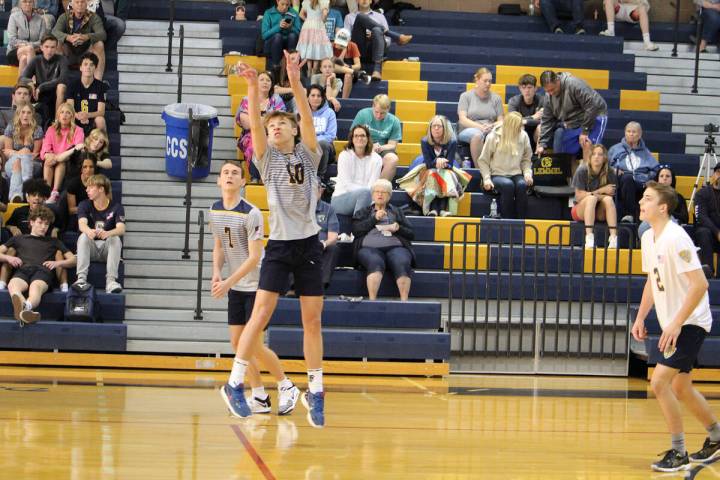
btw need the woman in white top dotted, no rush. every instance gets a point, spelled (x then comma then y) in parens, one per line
(358, 168)
(505, 165)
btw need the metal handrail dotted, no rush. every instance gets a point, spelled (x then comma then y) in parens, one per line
(170, 35)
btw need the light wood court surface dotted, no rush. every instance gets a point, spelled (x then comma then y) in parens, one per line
(113, 424)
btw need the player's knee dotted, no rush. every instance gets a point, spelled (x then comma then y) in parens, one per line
(659, 385)
(311, 324)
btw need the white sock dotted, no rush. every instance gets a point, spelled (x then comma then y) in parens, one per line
(237, 375)
(315, 384)
(28, 305)
(259, 392)
(611, 28)
(646, 38)
(3, 285)
(284, 384)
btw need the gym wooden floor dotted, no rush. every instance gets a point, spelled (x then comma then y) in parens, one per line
(110, 424)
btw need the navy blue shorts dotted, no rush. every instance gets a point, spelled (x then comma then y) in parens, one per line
(240, 307)
(687, 347)
(302, 258)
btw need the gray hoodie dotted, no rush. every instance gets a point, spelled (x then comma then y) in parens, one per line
(20, 30)
(576, 106)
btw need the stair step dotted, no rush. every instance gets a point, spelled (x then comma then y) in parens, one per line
(200, 42)
(160, 60)
(162, 26)
(126, 79)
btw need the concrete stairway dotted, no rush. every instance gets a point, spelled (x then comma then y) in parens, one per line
(160, 286)
(673, 77)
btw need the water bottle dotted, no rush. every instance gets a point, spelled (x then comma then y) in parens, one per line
(466, 164)
(531, 9)
(493, 209)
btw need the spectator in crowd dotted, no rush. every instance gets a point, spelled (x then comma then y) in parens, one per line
(372, 46)
(438, 187)
(358, 169)
(680, 215)
(505, 165)
(574, 116)
(325, 126)
(36, 193)
(48, 9)
(77, 188)
(60, 139)
(711, 22)
(594, 182)
(101, 222)
(80, 30)
(630, 11)
(48, 72)
(313, 43)
(635, 166)
(334, 21)
(280, 30)
(327, 79)
(113, 14)
(269, 102)
(328, 235)
(97, 147)
(240, 13)
(21, 95)
(550, 10)
(382, 241)
(23, 140)
(87, 96)
(530, 105)
(707, 222)
(478, 110)
(385, 132)
(25, 29)
(347, 62)
(34, 261)
(282, 87)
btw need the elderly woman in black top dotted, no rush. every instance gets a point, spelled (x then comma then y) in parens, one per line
(382, 240)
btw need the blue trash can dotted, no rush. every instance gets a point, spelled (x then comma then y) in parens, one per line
(176, 137)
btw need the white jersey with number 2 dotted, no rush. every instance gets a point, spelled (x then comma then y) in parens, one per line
(665, 259)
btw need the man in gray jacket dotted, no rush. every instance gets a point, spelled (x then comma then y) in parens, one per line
(574, 116)
(79, 31)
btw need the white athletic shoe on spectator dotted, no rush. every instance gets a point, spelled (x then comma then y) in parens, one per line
(607, 33)
(64, 287)
(3, 285)
(287, 399)
(589, 240)
(612, 241)
(113, 287)
(258, 405)
(651, 47)
(345, 238)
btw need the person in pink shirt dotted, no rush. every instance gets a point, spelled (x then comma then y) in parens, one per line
(58, 145)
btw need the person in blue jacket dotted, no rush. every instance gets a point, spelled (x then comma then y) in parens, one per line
(280, 30)
(325, 126)
(634, 166)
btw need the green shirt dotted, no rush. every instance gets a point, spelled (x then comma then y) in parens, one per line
(381, 131)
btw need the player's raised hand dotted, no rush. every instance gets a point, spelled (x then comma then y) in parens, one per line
(293, 66)
(247, 72)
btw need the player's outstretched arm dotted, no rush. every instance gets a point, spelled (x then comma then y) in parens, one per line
(307, 128)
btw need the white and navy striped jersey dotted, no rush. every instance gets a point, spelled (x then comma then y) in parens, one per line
(236, 227)
(292, 185)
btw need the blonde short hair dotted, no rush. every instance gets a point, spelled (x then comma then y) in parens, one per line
(382, 101)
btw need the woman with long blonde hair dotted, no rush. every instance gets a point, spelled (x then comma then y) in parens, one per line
(594, 183)
(506, 167)
(23, 140)
(60, 141)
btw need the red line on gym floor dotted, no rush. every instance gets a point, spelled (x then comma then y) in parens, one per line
(253, 453)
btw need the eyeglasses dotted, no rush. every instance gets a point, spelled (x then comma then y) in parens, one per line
(664, 165)
(381, 191)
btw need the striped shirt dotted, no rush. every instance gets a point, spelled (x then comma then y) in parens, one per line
(291, 184)
(236, 227)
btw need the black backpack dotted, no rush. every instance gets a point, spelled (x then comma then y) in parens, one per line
(81, 304)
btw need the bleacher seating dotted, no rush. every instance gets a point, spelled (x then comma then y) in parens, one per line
(52, 332)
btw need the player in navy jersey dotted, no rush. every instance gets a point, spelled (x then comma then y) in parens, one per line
(237, 228)
(289, 172)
